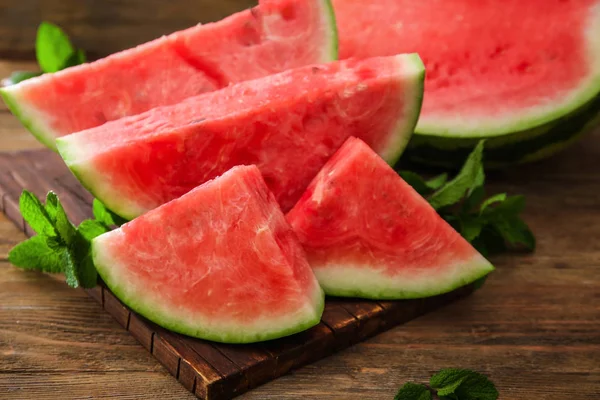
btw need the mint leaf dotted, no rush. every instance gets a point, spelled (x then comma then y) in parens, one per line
(19, 76)
(448, 378)
(34, 253)
(76, 58)
(497, 198)
(451, 387)
(90, 229)
(514, 231)
(59, 246)
(471, 228)
(468, 179)
(51, 205)
(421, 185)
(463, 384)
(412, 391)
(105, 216)
(36, 215)
(52, 47)
(437, 182)
(69, 268)
(86, 272)
(416, 181)
(474, 199)
(64, 227)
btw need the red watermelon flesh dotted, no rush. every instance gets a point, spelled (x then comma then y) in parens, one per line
(493, 67)
(287, 124)
(275, 36)
(367, 233)
(219, 263)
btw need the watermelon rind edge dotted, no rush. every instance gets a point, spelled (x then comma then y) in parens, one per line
(363, 282)
(104, 263)
(93, 183)
(525, 140)
(26, 119)
(333, 52)
(403, 130)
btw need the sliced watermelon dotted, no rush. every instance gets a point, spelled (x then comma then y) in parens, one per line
(287, 124)
(220, 263)
(275, 36)
(369, 234)
(523, 74)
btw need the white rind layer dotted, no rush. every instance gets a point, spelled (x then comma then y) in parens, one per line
(372, 282)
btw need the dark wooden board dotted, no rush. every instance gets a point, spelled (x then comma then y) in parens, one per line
(210, 370)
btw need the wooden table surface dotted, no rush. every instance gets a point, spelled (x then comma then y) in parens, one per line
(534, 327)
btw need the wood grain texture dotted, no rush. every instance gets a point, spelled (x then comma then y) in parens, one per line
(102, 27)
(533, 328)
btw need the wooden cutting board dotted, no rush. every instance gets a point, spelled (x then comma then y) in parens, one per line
(209, 370)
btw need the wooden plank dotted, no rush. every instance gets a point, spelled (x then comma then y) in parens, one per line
(341, 322)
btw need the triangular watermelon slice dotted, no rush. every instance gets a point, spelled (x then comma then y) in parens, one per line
(287, 124)
(367, 233)
(220, 263)
(273, 37)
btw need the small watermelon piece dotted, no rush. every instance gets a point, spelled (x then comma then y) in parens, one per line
(220, 263)
(525, 75)
(287, 124)
(369, 234)
(275, 36)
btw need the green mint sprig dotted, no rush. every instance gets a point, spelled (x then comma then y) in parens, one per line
(54, 52)
(491, 224)
(60, 247)
(451, 384)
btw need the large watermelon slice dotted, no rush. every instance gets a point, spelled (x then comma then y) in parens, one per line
(367, 233)
(275, 36)
(219, 263)
(287, 124)
(525, 74)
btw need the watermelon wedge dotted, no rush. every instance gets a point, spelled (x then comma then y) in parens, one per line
(369, 234)
(220, 263)
(275, 36)
(525, 74)
(287, 124)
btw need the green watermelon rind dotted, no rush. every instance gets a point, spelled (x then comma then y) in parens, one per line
(103, 264)
(38, 131)
(333, 53)
(94, 182)
(525, 140)
(403, 131)
(363, 282)
(516, 148)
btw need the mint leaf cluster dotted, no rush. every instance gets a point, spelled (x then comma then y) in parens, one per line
(491, 224)
(451, 384)
(54, 52)
(53, 49)
(59, 246)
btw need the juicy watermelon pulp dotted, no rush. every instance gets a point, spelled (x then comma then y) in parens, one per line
(275, 36)
(219, 263)
(523, 73)
(367, 233)
(287, 124)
